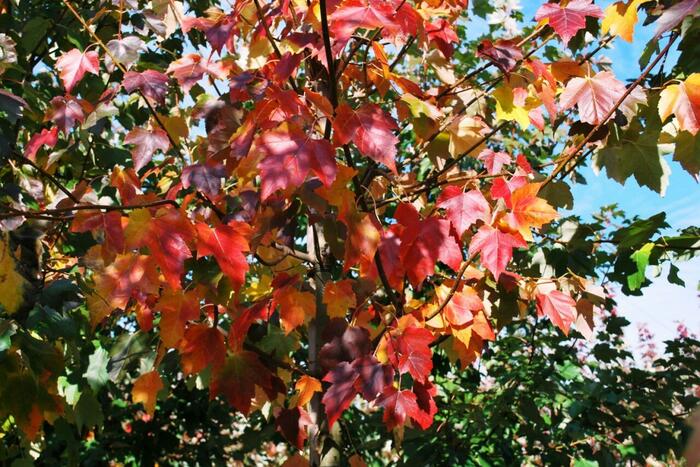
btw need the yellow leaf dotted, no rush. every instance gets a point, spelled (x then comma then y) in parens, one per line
(176, 126)
(12, 283)
(620, 19)
(146, 389)
(682, 100)
(465, 134)
(306, 386)
(508, 107)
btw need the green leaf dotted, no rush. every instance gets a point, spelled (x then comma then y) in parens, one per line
(33, 32)
(673, 276)
(640, 231)
(96, 373)
(688, 152)
(641, 259)
(585, 463)
(638, 156)
(88, 412)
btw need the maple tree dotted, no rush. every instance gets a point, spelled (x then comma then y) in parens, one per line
(300, 205)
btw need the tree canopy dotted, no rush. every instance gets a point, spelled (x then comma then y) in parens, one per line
(339, 224)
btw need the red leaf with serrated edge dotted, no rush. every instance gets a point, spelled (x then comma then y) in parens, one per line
(46, 137)
(353, 14)
(153, 84)
(241, 324)
(442, 35)
(503, 53)
(167, 235)
(237, 377)
(147, 143)
(289, 155)
(343, 343)
(567, 20)
(342, 391)
(559, 307)
(65, 112)
(373, 376)
(205, 177)
(200, 347)
(362, 237)
(528, 211)
(73, 65)
(464, 209)
(410, 352)
(295, 307)
(370, 128)
(494, 161)
(229, 245)
(595, 96)
(426, 404)
(110, 223)
(398, 405)
(423, 243)
(191, 68)
(292, 423)
(495, 247)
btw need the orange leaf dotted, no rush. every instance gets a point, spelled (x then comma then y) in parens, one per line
(200, 347)
(338, 298)
(146, 389)
(295, 306)
(307, 386)
(528, 211)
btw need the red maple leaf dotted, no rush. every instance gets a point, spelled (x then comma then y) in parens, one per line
(110, 223)
(45, 138)
(341, 392)
(398, 405)
(73, 65)
(426, 404)
(200, 347)
(229, 244)
(370, 128)
(191, 68)
(595, 96)
(65, 111)
(496, 248)
(410, 352)
(424, 242)
(147, 143)
(464, 209)
(153, 84)
(503, 53)
(559, 307)
(494, 161)
(237, 377)
(353, 14)
(567, 20)
(290, 154)
(292, 423)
